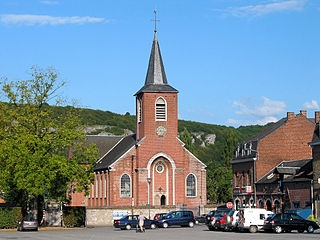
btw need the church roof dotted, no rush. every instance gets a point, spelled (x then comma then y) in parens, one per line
(156, 80)
(103, 143)
(118, 149)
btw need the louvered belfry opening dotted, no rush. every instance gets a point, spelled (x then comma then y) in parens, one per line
(161, 110)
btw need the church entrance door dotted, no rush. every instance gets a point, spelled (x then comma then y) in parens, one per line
(163, 200)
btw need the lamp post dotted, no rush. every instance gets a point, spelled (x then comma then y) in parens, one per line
(149, 182)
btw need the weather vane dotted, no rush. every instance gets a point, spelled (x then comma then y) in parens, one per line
(155, 20)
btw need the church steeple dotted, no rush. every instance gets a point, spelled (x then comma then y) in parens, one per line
(156, 80)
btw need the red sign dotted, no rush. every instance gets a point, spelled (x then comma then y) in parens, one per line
(229, 204)
(249, 189)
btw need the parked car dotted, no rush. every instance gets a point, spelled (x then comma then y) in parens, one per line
(182, 218)
(252, 219)
(287, 222)
(131, 221)
(217, 215)
(232, 220)
(201, 219)
(209, 215)
(159, 216)
(28, 223)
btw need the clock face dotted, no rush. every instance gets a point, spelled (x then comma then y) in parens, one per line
(161, 131)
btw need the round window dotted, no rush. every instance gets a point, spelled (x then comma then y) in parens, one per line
(160, 168)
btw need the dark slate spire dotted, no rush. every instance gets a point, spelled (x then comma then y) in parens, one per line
(156, 80)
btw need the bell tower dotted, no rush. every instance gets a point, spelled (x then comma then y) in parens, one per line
(156, 101)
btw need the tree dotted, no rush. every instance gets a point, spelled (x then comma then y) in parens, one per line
(35, 145)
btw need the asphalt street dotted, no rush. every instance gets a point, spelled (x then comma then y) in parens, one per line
(198, 232)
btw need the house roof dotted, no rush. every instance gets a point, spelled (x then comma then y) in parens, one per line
(250, 153)
(156, 79)
(294, 171)
(116, 152)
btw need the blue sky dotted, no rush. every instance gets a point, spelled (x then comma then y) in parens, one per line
(235, 62)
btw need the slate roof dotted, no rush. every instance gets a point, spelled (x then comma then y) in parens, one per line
(116, 152)
(294, 171)
(103, 143)
(156, 79)
(255, 140)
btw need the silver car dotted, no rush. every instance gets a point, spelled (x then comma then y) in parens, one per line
(28, 223)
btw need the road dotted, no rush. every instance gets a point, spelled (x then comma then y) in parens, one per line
(198, 233)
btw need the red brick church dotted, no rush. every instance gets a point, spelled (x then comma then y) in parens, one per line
(152, 166)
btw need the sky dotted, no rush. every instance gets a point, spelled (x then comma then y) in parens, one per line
(234, 62)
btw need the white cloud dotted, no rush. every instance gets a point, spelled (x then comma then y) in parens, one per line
(263, 9)
(267, 108)
(257, 112)
(47, 2)
(313, 105)
(30, 20)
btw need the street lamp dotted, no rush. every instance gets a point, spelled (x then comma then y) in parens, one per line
(149, 182)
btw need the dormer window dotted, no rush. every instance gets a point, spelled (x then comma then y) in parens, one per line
(161, 109)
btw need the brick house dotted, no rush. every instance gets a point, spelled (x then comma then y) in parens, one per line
(315, 145)
(285, 140)
(152, 166)
(288, 185)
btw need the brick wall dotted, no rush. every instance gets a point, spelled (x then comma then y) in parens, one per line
(289, 142)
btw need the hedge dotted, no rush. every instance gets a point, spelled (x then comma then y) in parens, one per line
(74, 216)
(9, 217)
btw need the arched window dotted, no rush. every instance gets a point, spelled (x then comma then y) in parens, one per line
(161, 110)
(139, 110)
(191, 185)
(125, 186)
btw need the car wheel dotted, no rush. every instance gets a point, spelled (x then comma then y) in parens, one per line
(278, 229)
(165, 225)
(197, 222)
(153, 226)
(253, 229)
(210, 228)
(300, 230)
(191, 224)
(128, 227)
(310, 229)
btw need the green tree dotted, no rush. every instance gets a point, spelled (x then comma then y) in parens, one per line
(35, 144)
(186, 138)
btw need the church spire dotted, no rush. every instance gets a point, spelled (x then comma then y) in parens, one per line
(156, 80)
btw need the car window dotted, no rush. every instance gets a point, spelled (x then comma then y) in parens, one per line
(296, 217)
(135, 217)
(130, 218)
(262, 217)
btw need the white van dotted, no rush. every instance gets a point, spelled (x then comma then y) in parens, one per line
(252, 219)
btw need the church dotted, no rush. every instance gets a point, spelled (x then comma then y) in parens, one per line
(151, 167)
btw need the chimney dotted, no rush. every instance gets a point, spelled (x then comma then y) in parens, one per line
(290, 115)
(317, 116)
(303, 112)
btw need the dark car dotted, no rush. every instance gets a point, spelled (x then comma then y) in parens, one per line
(287, 222)
(182, 218)
(217, 215)
(131, 221)
(159, 216)
(28, 223)
(209, 215)
(201, 219)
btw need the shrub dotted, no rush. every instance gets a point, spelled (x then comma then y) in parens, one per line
(311, 218)
(9, 216)
(74, 216)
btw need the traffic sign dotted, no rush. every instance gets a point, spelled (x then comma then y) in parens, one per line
(229, 204)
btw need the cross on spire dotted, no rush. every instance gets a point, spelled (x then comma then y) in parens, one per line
(155, 20)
